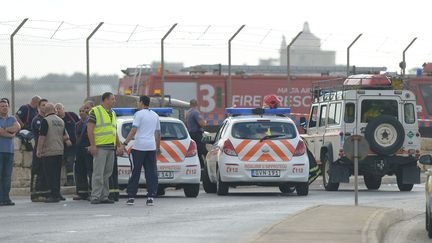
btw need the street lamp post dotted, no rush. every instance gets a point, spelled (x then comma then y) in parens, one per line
(289, 68)
(229, 85)
(163, 64)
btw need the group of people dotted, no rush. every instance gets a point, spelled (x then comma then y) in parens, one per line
(88, 146)
(58, 140)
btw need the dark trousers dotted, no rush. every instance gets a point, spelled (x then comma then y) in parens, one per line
(138, 160)
(69, 160)
(38, 185)
(83, 172)
(113, 182)
(202, 150)
(6, 166)
(52, 169)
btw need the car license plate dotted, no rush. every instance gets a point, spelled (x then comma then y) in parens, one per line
(265, 173)
(166, 174)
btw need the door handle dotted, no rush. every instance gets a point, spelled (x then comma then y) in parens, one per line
(320, 140)
(312, 141)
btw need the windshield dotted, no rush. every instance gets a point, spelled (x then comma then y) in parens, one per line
(258, 130)
(169, 130)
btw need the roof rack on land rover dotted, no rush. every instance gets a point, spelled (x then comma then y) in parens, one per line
(353, 82)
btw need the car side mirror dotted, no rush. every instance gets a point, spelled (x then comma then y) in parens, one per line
(303, 122)
(426, 159)
(208, 140)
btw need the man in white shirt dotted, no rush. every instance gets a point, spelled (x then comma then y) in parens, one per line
(146, 132)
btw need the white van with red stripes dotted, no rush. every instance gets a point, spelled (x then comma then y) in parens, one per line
(256, 147)
(177, 164)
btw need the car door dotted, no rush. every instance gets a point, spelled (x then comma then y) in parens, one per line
(214, 152)
(312, 131)
(321, 129)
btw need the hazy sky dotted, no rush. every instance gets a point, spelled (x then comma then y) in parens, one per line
(387, 27)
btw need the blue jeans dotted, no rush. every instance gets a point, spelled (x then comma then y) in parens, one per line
(6, 165)
(138, 160)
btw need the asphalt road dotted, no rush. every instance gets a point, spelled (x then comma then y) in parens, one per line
(174, 218)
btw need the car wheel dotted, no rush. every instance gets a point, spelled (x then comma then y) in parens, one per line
(429, 227)
(372, 182)
(302, 189)
(222, 187)
(161, 191)
(403, 187)
(326, 176)
(191, 190)
(385, 135)
(285, 188)
(427, 218)
(209, 187)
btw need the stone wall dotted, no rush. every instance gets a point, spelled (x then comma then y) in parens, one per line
(22, 166)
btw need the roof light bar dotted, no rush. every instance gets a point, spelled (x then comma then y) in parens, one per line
(131, 111)
(257, 111)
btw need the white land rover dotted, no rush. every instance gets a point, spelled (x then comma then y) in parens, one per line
(366, 105)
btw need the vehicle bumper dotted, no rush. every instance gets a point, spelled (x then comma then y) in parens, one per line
(233, 170)
(186, 172)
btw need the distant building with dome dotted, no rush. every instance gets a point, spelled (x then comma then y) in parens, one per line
(306, 51)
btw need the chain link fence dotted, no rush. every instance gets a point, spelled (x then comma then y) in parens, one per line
(50, 56)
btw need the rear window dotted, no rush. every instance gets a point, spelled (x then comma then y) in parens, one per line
(169, 130)
(373, 108)
(258, 130)
(409, 113)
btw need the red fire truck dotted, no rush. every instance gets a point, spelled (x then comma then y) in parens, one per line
(249, 91)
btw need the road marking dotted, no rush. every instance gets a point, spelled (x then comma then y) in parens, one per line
(102, 215)
(37, 214)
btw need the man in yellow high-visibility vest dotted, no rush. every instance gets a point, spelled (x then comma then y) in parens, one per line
(102, 133)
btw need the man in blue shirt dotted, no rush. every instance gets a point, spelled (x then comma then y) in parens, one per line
(26, 113)
(195, 124)
(8, 128)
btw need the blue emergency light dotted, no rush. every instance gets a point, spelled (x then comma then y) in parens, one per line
(257, 111)
(131, 111)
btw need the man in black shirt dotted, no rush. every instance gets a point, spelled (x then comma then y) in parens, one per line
(38, 186)
(26, 113)
(70, 119)
(84, 160)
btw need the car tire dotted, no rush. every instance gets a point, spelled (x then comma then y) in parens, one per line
(403, 187)
(386, 125)
(222, 187)
(191, 190)
(285, 188)
(325, 174)
(428, 225)
(372, 182)
(302, 189)
(161, 191)
(209, 187)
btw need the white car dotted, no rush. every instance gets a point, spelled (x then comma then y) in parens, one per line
(256, 147)
(177, 165)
